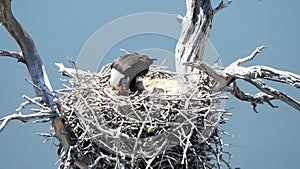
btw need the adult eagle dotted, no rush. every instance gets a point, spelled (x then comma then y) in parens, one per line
(126, 69)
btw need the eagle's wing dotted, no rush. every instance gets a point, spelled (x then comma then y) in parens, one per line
(129, 66)
(132, 63)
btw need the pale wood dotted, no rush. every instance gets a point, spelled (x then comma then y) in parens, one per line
(254, 76)
(196, 26)
(31, 58)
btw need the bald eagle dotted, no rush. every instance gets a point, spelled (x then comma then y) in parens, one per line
(126, 69)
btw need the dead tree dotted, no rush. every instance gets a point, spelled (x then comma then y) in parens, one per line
(154, 129)
(45, 97)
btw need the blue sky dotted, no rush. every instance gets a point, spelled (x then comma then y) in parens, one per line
(60, 29)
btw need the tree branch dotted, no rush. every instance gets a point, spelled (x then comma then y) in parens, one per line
(30, 55)
(1, 18)
(272, 74)
(263, 72)
(248, 58)
(259, 98)
(44, 112)
(221, 6)
(38, 76)
(252, 75)
(23, 118)
(69, 72)
(275, 93)
(29, 101)
(16, 55)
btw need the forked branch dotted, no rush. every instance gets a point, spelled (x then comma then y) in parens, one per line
(29, 55)
(23, 118)
(44, 112)
(221, 6)
(38, 76)
(254, 76)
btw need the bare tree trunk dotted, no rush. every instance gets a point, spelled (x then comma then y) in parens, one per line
(196, 26)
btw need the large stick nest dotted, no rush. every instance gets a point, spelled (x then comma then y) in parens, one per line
(171, 123)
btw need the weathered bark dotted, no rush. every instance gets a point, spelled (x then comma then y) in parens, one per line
(13, 55)
(196, 26)
(40, 81)
(30, 55)
(254, 76)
